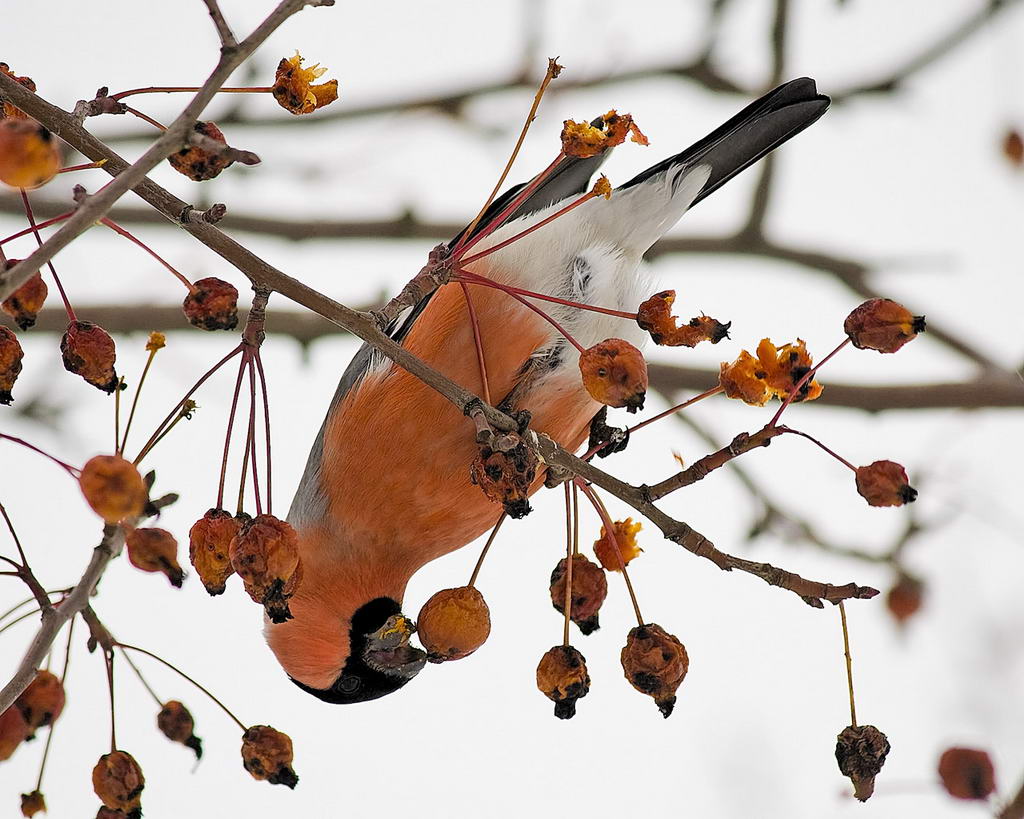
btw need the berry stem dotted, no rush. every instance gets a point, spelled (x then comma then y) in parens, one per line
(110, 223)
(146, 685)
(181, 673)
(39, 226)
(483, 552)
(575, 519)
(814, 440)
(83, 167)
(473, 278)
(49, 734)
(549, 75)
(527, 231)
(39, 241)
(251, 437)
(266, 418)
(565, 333)
(117, 415)
(173, 89)
(481, 363)
(609, 528)
(135, 400)
(72, 471)
(144, 117)
(807, 377)
(567, 611)
(227, 437)
(175, 413)
(108, 659)
(849, 664)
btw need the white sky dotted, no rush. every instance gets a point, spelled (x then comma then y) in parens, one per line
(912, 182)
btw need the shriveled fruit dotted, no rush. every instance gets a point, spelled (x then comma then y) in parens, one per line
(885, 483)
(113, 488)
(155, 550)
(11, 356)
(861, 752)
(655, 316)
(212, 304)
(294, 89)
(505, 476)
(655, 663)
(562, 677)
(32, 803)
(967, 773)
(265, 553)
(883, 325)
(622, 539)
(42, 702)
(615, 374)
(199, 164)
(118, 781)
(453, 623)
(267, 754)
(589, 589)
(88, 350)
(13, 731)
(584, 139)
(209, 541)
(773, 373)
(175, 722)
(25, 303)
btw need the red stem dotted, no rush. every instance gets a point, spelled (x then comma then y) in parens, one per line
(227, 437)
(550, 321)
(39, 226)
(476, 340)
(807, 377)
(39, 239)
(171, 89)
(251, 437)
(474, 278)
(266, 417)
(145, 117)
(110, 223)
(83, 167)
(72, 471)
(810, 438)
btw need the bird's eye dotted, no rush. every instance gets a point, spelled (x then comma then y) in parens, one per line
(602, 372)
(350, 684)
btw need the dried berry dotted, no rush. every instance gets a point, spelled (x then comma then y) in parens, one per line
(113, 487)
(155, 550)
(267, 754)
(212, 304)
(7, 109)
(42, 701)
(967, 773)
(582, 139)
(1013, 147)
(198, 163)
(562, 677)
(88, 351)
(602, 187)
(885, 483)
(13, 731)
(453, 623)
(32, 803)
(861, 752)
(293, 88)
(175, 722)
(118, 781)
(29, 155)
(655, 316)
(615, 374)
(905, 598)
(589, 589)
(623, 542)
(11, 356)
(25, 303)
(209, 541)
(883, 325)
(775, 372)
(506, 476)
(265, 553)
(106, 813)
(655, 663)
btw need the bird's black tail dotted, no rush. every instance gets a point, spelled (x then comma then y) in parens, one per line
(754, 132)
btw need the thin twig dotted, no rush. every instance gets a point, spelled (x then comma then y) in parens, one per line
(849, 664)
(483, 552)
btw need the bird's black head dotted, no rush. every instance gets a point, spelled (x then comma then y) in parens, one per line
(380, 659)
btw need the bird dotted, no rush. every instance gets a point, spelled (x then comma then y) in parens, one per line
(387, 489)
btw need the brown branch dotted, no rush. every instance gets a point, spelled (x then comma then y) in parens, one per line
(126, 178)
(227, 37)
(1014, 809)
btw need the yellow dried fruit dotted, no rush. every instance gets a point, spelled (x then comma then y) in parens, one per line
(209, 542)
(265, 553)
(775, 372)
(583, 139)
(562, 677)
(294, 90)
(267, 754)
(453, 623)
(113, 488)
(623, 542)
(29, 154)
(118, 781)
(655, 316)
(655, 663)
(615, 374)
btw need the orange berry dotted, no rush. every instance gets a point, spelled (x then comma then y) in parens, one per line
(155, 550)
(212, 304)
(267, 754)
(589, 589)
(905, 598)
(655, 663)
(583, 139)
(32, 803)
(453, 623)
(11, 356)
(885, 483)
(773, 373)
(265, 553)
(209, 541)
(113, 488)
(293, 88)
(882, 325)
(655, 316)
(967, 773)
(88, 351)
(197, 163)
(118, 781)
(29, 155)
(175, 722)
(42, 701)
(506, 477)
(562, 677)
(615, 374)
(625, 532)
(861, 752)
(25, 302)
(13, 731)
(1013, 147)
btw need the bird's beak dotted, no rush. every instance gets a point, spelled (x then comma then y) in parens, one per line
(388, 650)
